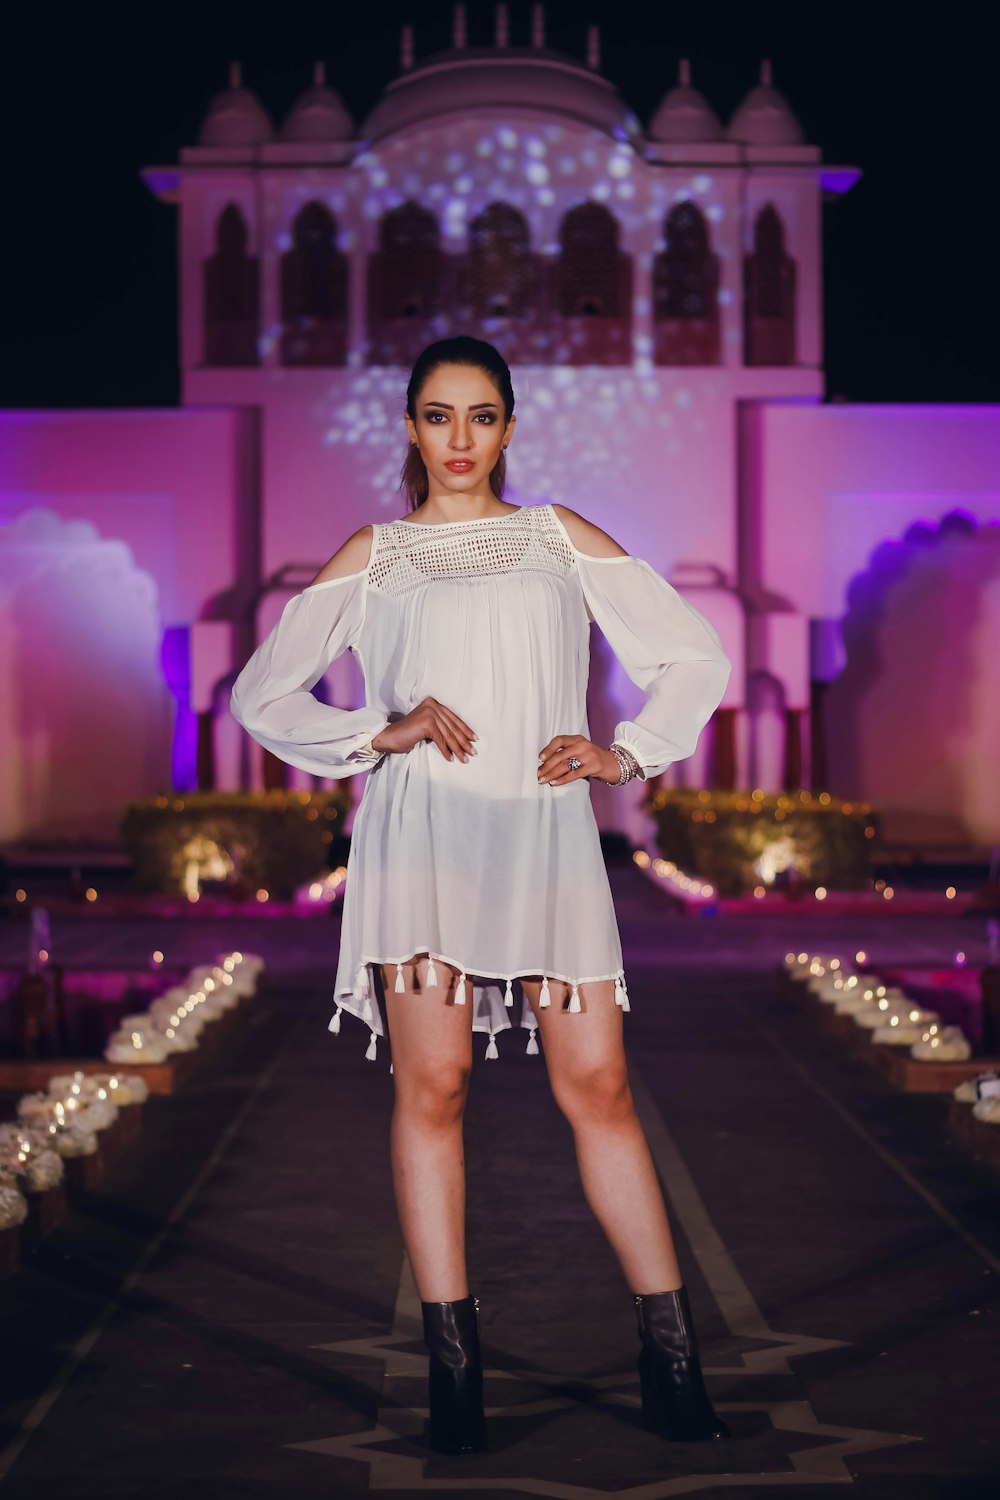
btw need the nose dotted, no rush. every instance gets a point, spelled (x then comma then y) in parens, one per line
(461, 436)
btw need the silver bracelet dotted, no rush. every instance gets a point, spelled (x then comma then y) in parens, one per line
(629, 765)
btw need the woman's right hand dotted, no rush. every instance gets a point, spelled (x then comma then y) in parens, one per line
(430, 720)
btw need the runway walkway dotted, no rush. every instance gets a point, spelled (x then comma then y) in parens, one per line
(231, 1316)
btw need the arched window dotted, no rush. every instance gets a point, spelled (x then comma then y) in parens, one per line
(769, 295)
(593, 288)
(686, 291)
(314, 292)
(500, 280)
(408, 285)
(231, 280)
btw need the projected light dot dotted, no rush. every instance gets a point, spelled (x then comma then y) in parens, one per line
(507, 137)
(537, 173)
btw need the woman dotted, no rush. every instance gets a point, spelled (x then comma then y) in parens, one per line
(475, 861)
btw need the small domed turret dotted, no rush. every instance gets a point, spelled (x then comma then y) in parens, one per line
(685, 115)
(765, 118)
(235, 116)
(318, 114)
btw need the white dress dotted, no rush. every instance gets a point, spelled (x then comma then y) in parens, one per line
(476, 862)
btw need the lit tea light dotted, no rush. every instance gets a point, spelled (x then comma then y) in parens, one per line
(861, 957)
(90, 893)
(820, 893)
(20, 895)
(156, 957)
(951, 893)
(263, 895)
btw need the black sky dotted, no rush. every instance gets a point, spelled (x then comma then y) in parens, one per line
(90, 266)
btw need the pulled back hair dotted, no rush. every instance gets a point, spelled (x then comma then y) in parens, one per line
(461, 350)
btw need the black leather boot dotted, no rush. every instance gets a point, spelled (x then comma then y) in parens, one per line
(451, 1332)
(675, 1402)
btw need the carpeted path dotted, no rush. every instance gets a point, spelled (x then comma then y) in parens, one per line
(231, 1316)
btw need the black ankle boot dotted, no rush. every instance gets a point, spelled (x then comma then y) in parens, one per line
(674, 1399)
(451, 1332)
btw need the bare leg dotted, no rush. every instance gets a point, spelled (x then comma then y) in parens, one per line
(431, 1060)
(585, 1058)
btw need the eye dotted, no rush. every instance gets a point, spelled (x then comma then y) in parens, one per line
(486, 416)
(431, 416)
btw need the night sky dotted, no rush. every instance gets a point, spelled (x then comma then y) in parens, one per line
(92, 96)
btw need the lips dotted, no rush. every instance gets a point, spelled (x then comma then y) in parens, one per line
(460, 465)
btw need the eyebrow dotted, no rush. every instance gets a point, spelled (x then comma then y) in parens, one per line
(480, 405)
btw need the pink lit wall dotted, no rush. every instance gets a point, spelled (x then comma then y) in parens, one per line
(113, 526)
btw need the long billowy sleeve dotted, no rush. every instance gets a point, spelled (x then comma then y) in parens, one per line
(271, 696)
(668, 649)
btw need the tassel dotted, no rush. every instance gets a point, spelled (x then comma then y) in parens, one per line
(399, 985)
(366, 1010)
(619, 991)
(624, 1002)
(508, 998)
(544, 998)
(532, 1048)
(432, 978)
(335, 1023)
(361, 982)
(491, 1051)
(574, 1000)
(460, 992)
(370, 1054)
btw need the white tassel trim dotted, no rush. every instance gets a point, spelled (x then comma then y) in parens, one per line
(399, 986)
(370, 1054)
(432, 978)
(361, 982)
(508, 998)
(491, 1050)
(460, 992)
(531, 1050)
(574, 1001)
(366, 1010)
(621, 993)
(544, 997)
(335, 1023)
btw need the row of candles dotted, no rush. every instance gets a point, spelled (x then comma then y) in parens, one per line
(65, 1119)
(895, 1020)
(885, 1010)
(174, 1022)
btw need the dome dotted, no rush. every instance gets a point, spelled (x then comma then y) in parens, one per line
(235, 116)
(684, 115)
(498, 80)
(318, 114)
(765, 118)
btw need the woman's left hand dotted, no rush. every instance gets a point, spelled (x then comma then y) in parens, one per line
(593, 761)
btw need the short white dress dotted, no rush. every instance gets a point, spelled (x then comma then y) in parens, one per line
(476, 863)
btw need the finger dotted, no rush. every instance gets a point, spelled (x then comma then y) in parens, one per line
(439, 739)
(558, 751)
(458, 744)
(459, 725)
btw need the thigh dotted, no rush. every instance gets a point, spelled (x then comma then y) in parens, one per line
(582, 1042)
(426, 1028)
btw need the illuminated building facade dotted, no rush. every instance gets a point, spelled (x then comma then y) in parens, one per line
(658, 292)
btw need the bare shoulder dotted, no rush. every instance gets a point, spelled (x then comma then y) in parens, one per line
(352, 557)
(586, 537)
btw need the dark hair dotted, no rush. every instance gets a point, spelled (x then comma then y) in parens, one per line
(460, 350)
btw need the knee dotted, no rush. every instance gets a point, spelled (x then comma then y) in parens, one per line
(435, 1096)
(595, 1096)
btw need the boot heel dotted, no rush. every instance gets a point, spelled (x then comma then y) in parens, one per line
(457, 1422)
(675, 1402)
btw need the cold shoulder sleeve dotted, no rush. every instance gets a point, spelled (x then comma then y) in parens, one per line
(668, 649)
(271, 697)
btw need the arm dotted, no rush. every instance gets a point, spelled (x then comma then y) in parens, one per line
(271, 697)
(664, 644)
